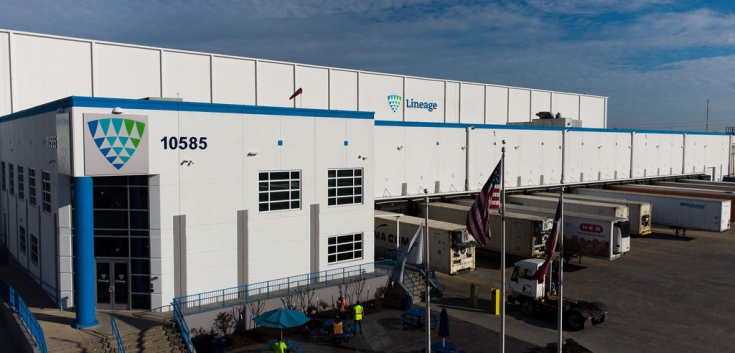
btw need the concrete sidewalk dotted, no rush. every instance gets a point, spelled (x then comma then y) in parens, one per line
(58, 326)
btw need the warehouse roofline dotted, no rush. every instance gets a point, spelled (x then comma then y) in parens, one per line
(173, 105)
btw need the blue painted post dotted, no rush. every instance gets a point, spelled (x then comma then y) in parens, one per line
(85, 300)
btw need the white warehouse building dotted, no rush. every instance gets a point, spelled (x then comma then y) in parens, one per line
(175, 173)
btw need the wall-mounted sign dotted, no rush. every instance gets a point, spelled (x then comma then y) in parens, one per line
(115, 144)
(395, 100)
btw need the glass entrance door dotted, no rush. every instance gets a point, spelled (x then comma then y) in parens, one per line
(113, 285)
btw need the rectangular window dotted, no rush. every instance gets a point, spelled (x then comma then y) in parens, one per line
(21, 183)
(344, 248)
(34, 249)
(32, 186)
(11, 178)
(344, 186)
(22, 239)
(3, 168)
(46, 190)
(279, 190)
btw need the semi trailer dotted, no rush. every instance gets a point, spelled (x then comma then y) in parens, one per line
(596, 208)
(639, 212)
(452, 249)
(676, 211)
(587, 234)
(525, 234)
(678, 191)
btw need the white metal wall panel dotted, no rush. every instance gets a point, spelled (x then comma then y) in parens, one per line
(642, 153)
(373, 93)
(314, 82)
(472, 104)
(526, 154)
(424, 100)
(593, 111)
(450, 160)
(451, 92)
(275, 84)
(233, 80)
(126, 72)
(5, 107)
(496, 105)
(573, 156)
(421, 154)
(609, 150)
(519, 105)
(46, 69)
(566, 104)
(187, 76)
(389, 151)
(547, 156)
(540, 102)
(343, 90)
(485, 152)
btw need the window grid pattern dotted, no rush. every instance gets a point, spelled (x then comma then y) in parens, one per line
(344, 187)
(22, 239)
(32, 186)
(11, 179)
(344, 248)
(21, 183)
(279, 190)
(122, 230)
(34, 250)
(2, 166)
(46, 189)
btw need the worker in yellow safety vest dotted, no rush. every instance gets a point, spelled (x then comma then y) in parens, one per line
(359, 312)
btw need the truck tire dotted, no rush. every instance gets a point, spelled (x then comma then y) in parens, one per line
(528, 308)
(575, 321)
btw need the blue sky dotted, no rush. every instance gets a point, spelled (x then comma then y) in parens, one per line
(658, 61)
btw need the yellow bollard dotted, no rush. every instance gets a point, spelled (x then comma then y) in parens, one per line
(473, 295)
(495, 302)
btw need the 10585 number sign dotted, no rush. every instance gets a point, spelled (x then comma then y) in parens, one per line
(183, 143)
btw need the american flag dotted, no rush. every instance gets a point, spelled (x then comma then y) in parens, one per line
(477, 217)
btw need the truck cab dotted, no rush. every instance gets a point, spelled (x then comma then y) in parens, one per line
(521, 282)
(540, 297)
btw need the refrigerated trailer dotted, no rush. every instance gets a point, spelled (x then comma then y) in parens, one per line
(587, 234)
(596, 208)
(713, 186)
(452, 249)
(676, 191)
(676, 210)
(525, 234)
(639, 212)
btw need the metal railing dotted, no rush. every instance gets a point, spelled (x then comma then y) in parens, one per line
(17, 303)
(183, 326)
(222, 298)
(116, 333)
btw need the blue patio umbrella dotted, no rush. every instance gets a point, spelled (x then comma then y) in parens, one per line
(443, 331)
(281, 318)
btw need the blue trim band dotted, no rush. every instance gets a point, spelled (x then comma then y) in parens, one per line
(84, 278)
(527, 127)
(94, 102)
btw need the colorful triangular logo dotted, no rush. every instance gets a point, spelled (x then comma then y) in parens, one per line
(116, 138)
(394, 101)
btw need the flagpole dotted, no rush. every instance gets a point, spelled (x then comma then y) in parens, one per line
(426, 268)
(502, 249)
(560, 235)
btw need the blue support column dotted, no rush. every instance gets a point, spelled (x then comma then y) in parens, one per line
(84, 253)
